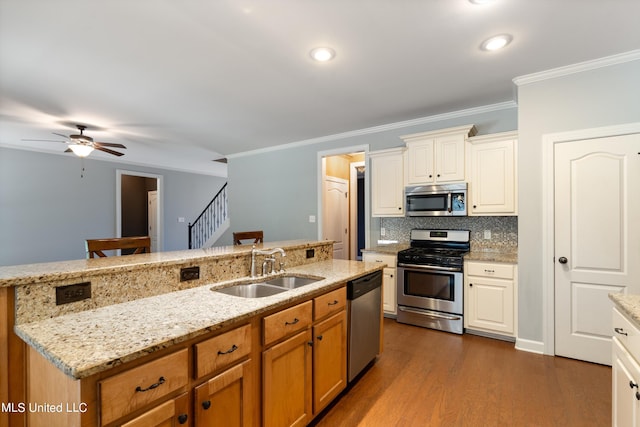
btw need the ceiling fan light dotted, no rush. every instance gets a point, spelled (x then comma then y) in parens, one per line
(81, 150)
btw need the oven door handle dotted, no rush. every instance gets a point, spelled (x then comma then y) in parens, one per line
(449, 207)
(429, 314)
(429, 267)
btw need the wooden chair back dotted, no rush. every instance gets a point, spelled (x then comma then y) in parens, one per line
(96, 246)
(257, 237)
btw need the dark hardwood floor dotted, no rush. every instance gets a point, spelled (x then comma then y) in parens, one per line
(431, 378)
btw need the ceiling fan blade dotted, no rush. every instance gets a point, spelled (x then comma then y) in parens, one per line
(108, 144)
(59, 134)
(106, 150)
(46, 140)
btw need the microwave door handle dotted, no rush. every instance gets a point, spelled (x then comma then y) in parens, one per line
(449, 202)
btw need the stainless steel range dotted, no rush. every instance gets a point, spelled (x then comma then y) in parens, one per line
(430, 279)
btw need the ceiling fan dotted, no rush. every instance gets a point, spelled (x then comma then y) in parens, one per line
(82, 145)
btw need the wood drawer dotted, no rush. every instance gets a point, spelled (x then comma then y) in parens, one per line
(135, 388)
(485, 269)
(331, 302)
(223, 350)
(390, 260)
(287, 322)
(626, 333)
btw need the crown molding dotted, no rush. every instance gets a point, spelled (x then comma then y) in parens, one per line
(383, 128)
(580, 67)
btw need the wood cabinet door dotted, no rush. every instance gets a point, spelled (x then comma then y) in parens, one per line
(490, 304)
(493, 178)
(625, 376)
(420, 162)
(329, 360)
(387, 184)
(172, 413)
(287, 380)
(225, 400)
(449, 158)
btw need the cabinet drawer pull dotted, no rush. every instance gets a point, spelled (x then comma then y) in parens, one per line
(489, 271)
(620, 331)
(295, 320)
(182, 418)
(633, 385)
(206, 404)
(161, 381)
(335, 301)
(231, 350)
(319, 337)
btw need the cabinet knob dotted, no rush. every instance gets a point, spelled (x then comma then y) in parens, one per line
(319, 337)
(310, 343)
(637, 396)
(470, 284)
(430, 176)
(206, 404)
(400, 208)
(474, 206)
(182, 418)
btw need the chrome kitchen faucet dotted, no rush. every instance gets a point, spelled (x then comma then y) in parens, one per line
(255, 252)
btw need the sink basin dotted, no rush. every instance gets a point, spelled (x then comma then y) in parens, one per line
(251, 290)
(292, 282)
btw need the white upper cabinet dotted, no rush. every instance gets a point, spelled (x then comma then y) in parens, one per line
(492, 171)
(438, 156)
(387, 182)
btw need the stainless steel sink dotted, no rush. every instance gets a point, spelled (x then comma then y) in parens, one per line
(292, 282)
(251, 290)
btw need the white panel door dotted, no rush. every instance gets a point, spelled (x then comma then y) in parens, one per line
(597, 240)
(335, 217)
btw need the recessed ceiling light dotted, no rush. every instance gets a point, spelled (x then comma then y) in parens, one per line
(322, 54)
(496, 42)
(480, 1)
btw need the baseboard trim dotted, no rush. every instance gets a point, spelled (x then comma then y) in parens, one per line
(530, 346)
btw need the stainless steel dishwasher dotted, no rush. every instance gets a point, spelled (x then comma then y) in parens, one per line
(364, 310)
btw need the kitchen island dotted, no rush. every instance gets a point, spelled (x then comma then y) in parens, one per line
(83, 356)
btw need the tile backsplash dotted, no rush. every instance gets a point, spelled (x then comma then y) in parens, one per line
(503, 230)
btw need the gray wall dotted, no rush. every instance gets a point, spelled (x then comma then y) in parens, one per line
(47, 210)
(277, 190)
(597, 98)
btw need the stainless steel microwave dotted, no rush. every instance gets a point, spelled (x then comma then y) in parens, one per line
(436, 200)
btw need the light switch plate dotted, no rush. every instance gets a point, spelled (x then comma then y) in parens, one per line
(487, 234)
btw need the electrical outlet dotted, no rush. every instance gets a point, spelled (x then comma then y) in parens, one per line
(312, 218)
(311, 253)
(189, 273)
(383, 231)
(487, 234)
(73, 293)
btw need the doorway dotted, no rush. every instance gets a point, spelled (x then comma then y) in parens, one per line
(343, 201)
(591, 191)
(138, 201)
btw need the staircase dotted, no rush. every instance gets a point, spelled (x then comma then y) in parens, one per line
(211, 223)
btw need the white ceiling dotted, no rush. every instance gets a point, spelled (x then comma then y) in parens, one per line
(183, 82)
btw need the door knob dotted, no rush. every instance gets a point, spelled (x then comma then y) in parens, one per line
(562, 260)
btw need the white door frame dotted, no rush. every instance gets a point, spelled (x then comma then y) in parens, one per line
(353, 208)
(548, 209)
(159, 188)
(320, 181)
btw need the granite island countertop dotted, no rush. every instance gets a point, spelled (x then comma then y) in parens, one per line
(628, 304)
(85, 343)
(27, 274)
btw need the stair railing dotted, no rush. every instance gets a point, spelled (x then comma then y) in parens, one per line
(209, 220)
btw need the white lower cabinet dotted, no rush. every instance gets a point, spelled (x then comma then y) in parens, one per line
(490, 298)
(625, 372)
(389, 293)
